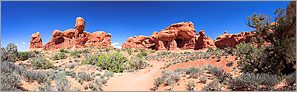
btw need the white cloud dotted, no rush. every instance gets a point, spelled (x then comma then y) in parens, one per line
(116, 45)
(23, 43)
(17, 44)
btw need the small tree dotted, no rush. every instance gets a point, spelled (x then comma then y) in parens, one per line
(279, 58)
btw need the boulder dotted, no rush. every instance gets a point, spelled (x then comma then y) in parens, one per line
(36, 41)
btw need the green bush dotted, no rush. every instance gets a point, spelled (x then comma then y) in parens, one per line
(158, 81)
(252, 81)
(41, 63)
(108, 74)
(143, 53)
(129, 50)
(71, 73)
(90, 59)
(10, 80)
(64, 51)
(213, 86)
(249, 57)
(84, 76)
(62, 84)
(23, 56)
(59, 55)
(4, 54)
(12, 52)
(113, 62)
(136, 63)
(193, 71)
(75, 53)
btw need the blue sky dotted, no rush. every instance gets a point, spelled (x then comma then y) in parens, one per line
(126, 19)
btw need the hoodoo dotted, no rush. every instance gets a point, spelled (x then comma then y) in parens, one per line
(36, 41)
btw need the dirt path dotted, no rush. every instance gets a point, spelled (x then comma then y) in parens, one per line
(141, 80)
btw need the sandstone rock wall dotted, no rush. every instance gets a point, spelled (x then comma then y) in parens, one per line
(177, 36)
(73, 38)
(183, 36)
(231, 40)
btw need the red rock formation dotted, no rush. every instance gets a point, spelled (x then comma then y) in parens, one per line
(204, 41)
(176, 36)
(77, 38)
(141, 41)
(36, 41)
(99, 39)
(231, 40)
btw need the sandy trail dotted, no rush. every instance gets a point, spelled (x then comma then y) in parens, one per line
(141, 80)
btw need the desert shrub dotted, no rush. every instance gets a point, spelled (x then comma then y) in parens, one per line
(23, 56)
(249, 57)
(96, 85)
(112, 62)
(203, 79)
(84, 76)
(190, 86)
(45, 87)
(129, 51)
(41, 63)
(108, 74)
(252, 81)
(167, 77)
(75, 53)
(171, 79)
(179, 70)
(62, 84)
(163, 53)
(136, 63)
(212, 86)
(64, 51)
(12, 52)
(4, 54)
(193, 71)
(143, 53)
(34, 54)
(39, 76)
(158, 81)
(10, 80)
(71, 73)
(228, 50)
(59, 55)
(90, 59)
(214, 70)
